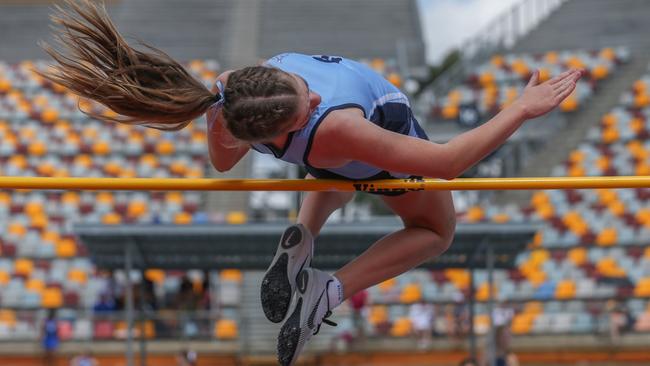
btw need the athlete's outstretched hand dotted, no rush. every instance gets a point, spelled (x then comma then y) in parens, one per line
(539, 99)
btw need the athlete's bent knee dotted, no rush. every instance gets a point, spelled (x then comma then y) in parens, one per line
(440, 238)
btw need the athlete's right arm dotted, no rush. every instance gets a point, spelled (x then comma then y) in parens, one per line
(222, 155)
(225, 151)
(356, 139)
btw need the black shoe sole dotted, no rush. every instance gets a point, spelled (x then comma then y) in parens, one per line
(289, 337)
(276, 291)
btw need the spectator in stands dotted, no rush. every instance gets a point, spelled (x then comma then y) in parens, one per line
(85, 359)
(468, 362)
(460, 317)
(358, 303)
(422, 315)
(106, 304)
(186, 299)
(503, 354)
(205, 298)
(186, 303)
(186, 357)
(50, 338)
(620, 320)
(352, 124)
(502, 314)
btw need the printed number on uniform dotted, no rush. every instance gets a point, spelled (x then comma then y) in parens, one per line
(328, 59)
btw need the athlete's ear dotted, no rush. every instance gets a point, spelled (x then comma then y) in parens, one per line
(314, 100)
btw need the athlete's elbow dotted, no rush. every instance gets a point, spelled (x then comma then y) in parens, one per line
(221, 166)
(446, 170)
(452, 166)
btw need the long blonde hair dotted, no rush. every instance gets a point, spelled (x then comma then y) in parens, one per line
(144, 88)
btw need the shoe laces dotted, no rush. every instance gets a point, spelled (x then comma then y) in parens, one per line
(326, 321)
(328, 313)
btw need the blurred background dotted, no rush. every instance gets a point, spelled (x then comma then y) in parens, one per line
(172, 278)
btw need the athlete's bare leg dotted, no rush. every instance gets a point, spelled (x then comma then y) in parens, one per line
(316, 207)
(429, 223)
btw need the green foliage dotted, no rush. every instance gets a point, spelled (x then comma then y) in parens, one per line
(436, 70)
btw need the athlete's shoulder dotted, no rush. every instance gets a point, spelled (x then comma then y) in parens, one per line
(287, 57)
(291, 56)
(340, 122)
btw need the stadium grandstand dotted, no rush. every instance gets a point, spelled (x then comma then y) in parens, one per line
(579, 293)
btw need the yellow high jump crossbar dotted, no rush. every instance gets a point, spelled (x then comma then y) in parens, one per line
(204, 184)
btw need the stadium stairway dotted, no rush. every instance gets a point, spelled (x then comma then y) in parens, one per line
(586, 24)
(258, 335)
(591, 24)
(555, 152)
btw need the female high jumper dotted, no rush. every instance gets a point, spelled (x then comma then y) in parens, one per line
(334, 116)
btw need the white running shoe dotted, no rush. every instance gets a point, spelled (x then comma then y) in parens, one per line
(294, 253)
(311, 309)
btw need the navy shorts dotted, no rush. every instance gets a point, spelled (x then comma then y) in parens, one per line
(326, 174)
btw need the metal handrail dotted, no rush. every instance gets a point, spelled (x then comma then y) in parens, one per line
(499, 35)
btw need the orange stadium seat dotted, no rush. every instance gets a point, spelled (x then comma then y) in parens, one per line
(35, 285)
(600, 72)
(236, 217)
(501, 218)
(522, 323)
(401, 327)
(111, 218)
(378, 314)
(551, 57)
(8, 317)
(183, 218)
(544, 74)
(4, 277)
(607, 237)
(475, 214)
(608, 267)
(137, 208)
(165, 147)
(565, 289)
(77, 276)
(450, 111)
(459, 277)
(226, 329)
(66, 248)
(570, 104)
(483, 293)
(486, 79)
(578, 256)
(23, 267)
(101, 148)
(642, 288)
(52, 298)
(155, 275)
(411, 293)
(387, 285)
(607, 53)
(497, 60)
(610, 135)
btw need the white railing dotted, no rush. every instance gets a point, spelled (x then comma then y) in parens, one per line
(499, 35)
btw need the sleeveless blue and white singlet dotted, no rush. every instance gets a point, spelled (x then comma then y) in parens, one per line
(343, 83)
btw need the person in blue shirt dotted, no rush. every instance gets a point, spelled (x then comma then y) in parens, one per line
(50, 337)
(332, 115)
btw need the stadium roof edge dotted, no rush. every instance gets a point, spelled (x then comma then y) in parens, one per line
(251, 246)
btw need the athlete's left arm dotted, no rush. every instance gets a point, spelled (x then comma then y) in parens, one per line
(347, 135)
